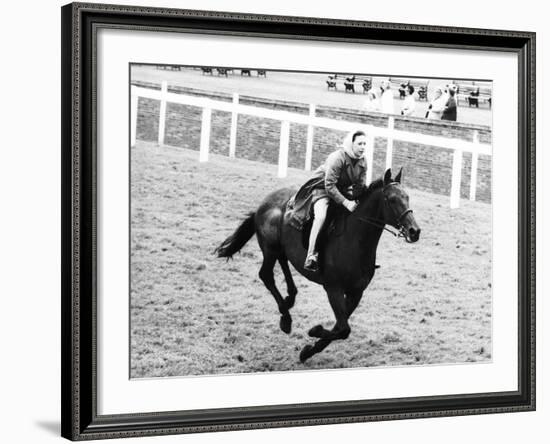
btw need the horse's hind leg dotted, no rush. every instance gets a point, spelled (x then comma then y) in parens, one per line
(290, 286)
(266, 275)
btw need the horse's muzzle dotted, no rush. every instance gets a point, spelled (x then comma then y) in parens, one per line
(413, 234)
(410, 229)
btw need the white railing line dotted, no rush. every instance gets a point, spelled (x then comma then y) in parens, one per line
(434, 141)
(390, 133)
(205, 134)
(473, 177)
(456, 179)
(304, 119)
(283, 148)
(473, 170)
(233, 133)
(369, 158)
(389, 145)
(163, 97)
(309, 140)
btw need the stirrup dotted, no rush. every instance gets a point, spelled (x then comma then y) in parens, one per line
(311, 263)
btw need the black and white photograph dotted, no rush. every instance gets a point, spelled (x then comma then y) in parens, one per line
(294, 221)
(275, 222)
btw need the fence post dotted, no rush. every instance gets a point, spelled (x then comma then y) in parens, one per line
(309, 142)
(283, 148)
(456, 178)
(205, 134)
(473, 174)
(133, 117)
(162, 112)
(233, 134)
(389, 146)
(369, 156)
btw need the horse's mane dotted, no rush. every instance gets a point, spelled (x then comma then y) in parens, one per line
(375, 185)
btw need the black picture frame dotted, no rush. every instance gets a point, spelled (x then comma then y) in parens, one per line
(80, 420)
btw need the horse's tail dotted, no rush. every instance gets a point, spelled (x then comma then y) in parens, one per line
(236, 241)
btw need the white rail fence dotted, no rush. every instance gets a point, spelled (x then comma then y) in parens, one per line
(311, 121)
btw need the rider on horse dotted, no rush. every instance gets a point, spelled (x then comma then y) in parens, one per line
(341, 179)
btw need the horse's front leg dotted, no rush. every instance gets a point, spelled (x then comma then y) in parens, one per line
(309, 350)
(352, 300)
(341, 329)
(339, 306)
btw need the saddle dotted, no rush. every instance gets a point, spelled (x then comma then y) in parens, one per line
(334, 226)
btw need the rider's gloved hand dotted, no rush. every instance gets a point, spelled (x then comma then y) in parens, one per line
(350, 205)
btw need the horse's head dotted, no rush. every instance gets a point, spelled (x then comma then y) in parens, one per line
(396, 210)
(385, 202)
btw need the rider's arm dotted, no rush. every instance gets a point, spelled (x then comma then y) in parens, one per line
(333, 169)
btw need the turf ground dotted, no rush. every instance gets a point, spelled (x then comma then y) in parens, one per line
(194, 314)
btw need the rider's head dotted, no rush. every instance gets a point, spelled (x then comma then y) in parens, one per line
(355, 143)
(358, 143)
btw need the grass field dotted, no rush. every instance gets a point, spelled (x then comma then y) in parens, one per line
(194, 314)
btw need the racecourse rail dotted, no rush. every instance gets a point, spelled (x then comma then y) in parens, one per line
(235, 108)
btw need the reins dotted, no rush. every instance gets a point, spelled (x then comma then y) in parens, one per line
(378, 223)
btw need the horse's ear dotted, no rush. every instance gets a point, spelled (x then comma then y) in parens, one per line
(398, 177)
(387, 176)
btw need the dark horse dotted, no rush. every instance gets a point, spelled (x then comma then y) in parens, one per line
(347, 261)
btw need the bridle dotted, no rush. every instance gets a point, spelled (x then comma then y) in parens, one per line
(379, 223)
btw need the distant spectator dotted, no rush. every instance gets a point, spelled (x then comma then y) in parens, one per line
(403, 90)
(372, 103)
(449, 112)
(435, 110)
(386, 100)
(409, 104)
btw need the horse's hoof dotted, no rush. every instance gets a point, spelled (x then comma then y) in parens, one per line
(316, 331)
(306, 353)
(286, 323)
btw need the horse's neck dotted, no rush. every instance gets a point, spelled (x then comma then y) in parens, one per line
(372, 207)
(368, 220)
